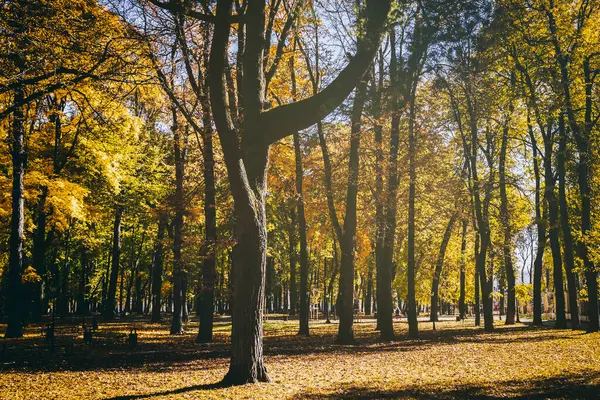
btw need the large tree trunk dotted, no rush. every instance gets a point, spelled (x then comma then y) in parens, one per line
(17, 221)
(438, 269)
(109, 309)
(507, 246)
(463, 262)
(157, 267)
(569, 258)
(249, 267)
(178, 270)
(246, 162)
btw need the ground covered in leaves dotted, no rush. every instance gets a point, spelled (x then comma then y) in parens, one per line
(457, 360)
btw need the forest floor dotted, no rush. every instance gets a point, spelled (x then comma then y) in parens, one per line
(457, 360)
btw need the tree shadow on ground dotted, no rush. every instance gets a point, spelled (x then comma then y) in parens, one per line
(187, 389)
(163, 354)
(576, 386)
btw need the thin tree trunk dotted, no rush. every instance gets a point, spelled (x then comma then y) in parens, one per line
(554, 230)
(463, 262)
(413, 329)
(566, 225)
(205, 332)
(109, 310)
(304, 295)
(17, 222)
(292, 254)
(157, 267)
(438, 269)
(540, 217)
(346, 312)
(507, 247)
(178, 270)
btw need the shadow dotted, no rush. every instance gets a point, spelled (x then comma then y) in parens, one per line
(187, 389)
(165, 352)
(570, 387)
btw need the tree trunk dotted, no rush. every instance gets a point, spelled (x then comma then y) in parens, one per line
(507, 247)
(82, 305)
(178, 270)
(369, 292)
(346, 312)
(205, 332)
(438, 269)
(463, 261)
(569, 259)
(540, 217)
(109, 309)
(413, 329)
(39, 254)
(157, 267)
(292, 253)
(246, 162)
(477, 290)
(304, 295)
(553, 230)
(17, 221)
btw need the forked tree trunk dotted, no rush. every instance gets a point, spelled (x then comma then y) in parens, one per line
(246, 149)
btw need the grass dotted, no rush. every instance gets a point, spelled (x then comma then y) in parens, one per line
(457, 360)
